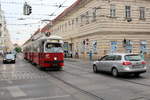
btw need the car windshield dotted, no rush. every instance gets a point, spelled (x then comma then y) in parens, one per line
(9, 56)
(134, 57)
(53, 47)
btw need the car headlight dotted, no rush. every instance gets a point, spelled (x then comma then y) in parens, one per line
(55, 58)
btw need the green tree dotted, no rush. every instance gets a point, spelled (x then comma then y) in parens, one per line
(18, 49)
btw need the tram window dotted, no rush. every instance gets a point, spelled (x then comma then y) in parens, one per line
(49, 45)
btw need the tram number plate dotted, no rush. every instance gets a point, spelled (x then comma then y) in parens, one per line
(55, 65)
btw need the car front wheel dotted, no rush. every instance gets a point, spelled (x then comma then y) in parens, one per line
(115, 72)
(95, 69)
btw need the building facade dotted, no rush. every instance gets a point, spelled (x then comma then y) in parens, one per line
(105, 26)
(5, 43)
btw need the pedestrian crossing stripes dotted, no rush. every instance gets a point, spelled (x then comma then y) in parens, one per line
(22, 76)
(16, 91)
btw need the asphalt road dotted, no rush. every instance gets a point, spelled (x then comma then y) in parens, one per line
(23, 81)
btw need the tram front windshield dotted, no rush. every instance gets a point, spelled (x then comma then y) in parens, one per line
(53, 47)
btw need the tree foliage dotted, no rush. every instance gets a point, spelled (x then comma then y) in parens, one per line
(18, 49)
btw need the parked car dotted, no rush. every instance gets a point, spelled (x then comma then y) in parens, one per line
(120, 63)
(9, 58)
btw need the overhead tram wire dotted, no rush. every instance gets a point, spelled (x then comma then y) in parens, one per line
(53, 5)
(25, 18)
(32, 14)
(58, 7)
(22, 24)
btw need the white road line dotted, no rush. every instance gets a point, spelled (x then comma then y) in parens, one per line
(16, 91)
(47, 98)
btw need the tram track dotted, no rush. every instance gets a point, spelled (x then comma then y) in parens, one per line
(76, 87)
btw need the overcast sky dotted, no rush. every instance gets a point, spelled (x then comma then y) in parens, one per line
(41, 9)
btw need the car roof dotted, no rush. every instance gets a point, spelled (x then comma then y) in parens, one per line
(121, 53)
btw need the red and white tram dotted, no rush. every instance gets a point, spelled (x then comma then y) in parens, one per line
(47, 52)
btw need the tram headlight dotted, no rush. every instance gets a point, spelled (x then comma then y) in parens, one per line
(55, 58)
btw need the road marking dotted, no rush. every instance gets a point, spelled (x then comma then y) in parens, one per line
(47, 98)
(16, 91)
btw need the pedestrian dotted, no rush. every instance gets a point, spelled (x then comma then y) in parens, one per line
(70, 54)
(76, 55)
(90, 55)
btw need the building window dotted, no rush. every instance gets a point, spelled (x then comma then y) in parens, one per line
(113, 46)
(76, 20)
(62, 27)
(72, 21)
(143, 46)
(81, 16)
(87, 17)
(142, 12)
(69, 23)
(128, 11)
(94, 14)
(66, 25)
(112, 11)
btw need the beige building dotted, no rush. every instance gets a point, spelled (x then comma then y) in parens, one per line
(105, 26)
(5, 43)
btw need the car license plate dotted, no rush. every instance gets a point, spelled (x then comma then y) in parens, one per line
(9, 60)
(137, 66)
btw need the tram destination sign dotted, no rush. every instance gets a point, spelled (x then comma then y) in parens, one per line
(53, 40)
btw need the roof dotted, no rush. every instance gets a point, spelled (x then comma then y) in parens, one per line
(46, 28)
(121, 53)
(68, 10)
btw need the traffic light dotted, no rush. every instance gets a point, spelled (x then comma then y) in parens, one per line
(27, 9)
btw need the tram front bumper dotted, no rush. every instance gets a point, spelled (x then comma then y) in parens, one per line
(54, 63)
